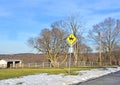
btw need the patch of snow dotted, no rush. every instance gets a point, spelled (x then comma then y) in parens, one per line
(61, 79)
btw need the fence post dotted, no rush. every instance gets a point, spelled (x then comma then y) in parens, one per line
(36, 65)
(84, 63)
(50, 65)
(43, 65)
(22, 65)
(92, 63)
(66, 64)
(29, 65)
(58, 64)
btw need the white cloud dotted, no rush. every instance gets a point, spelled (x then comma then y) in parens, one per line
(30, 16)
(59, 8)
(24, 36)
(12, 47)
(100, 4)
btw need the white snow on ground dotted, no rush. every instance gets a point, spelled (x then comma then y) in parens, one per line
(61, 79)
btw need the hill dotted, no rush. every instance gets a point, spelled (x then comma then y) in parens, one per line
(26, 57)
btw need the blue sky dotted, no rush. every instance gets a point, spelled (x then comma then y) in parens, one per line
(22, 19)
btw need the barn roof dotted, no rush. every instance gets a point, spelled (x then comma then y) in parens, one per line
(11, 60)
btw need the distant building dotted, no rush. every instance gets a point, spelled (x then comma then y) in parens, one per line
(10, 63)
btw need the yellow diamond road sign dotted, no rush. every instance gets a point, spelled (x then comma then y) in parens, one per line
(71, 39)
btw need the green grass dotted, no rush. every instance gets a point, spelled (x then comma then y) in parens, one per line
(13, 73)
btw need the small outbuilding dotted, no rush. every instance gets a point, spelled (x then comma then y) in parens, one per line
(10, 63)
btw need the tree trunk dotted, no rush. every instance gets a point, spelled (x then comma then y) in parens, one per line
(76, 54)
(55, 63)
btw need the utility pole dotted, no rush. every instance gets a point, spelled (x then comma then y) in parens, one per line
(99, 34)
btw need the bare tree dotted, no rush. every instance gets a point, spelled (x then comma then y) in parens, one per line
(74, 24)
(83, 50)
(51, 43)
(110, 35)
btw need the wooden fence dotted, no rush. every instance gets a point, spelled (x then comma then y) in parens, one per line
(65, 64)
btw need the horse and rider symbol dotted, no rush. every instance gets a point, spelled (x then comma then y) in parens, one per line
(71, 38)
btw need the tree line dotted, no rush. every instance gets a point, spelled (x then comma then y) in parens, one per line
(52, 41)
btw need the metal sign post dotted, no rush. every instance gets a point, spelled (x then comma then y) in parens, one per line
(70, 51)
(71, 39)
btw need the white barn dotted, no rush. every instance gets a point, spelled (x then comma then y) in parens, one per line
(8, 63)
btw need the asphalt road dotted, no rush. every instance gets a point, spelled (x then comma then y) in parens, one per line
(111, 79)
